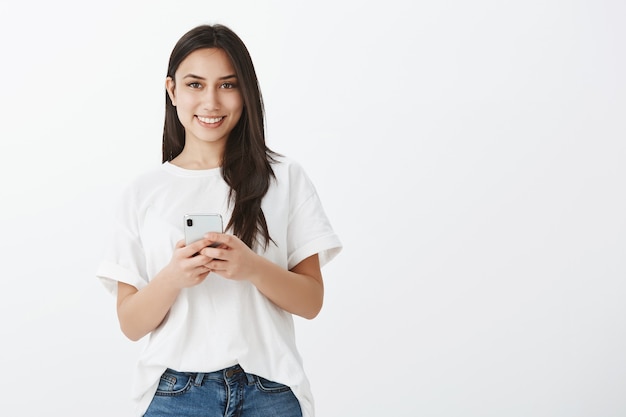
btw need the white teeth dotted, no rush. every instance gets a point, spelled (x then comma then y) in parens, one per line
(210, 119)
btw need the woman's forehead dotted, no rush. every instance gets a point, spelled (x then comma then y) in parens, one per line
(207, 63)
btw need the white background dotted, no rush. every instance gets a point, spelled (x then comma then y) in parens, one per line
(471, 155)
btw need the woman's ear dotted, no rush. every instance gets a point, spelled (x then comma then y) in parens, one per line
(170, 87)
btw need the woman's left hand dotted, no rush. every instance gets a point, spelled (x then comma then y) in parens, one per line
(299, 290)
(232, 259)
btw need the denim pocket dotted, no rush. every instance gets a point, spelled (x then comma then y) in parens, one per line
(266, 385)
(173, 383)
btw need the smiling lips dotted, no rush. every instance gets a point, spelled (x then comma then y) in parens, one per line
(210, 120)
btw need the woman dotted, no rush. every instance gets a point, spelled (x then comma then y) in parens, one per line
(217, 314)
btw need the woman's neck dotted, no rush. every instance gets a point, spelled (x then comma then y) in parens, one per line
(198, 158)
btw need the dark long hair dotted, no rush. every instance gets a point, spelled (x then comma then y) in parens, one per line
(246, 163)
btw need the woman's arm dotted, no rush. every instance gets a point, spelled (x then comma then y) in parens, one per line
(299, 291)
(141, 311)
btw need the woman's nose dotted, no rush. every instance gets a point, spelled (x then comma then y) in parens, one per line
(210, 99)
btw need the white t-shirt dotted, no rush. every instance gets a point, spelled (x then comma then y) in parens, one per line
(220, 322)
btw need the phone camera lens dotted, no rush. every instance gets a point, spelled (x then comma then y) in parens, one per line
(189, 222)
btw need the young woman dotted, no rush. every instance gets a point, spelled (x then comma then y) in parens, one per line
(217, 320)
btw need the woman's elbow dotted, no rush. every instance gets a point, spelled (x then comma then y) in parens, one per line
(313, 309)
(130, 333)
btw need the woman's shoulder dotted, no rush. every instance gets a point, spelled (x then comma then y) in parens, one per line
(290, 174)
(146, 181)
(149, 176)
(285, 166)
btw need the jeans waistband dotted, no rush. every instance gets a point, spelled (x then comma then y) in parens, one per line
(229, 374)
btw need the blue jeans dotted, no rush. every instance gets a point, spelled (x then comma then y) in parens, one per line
(229, 392)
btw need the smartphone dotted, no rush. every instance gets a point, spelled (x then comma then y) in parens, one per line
(197, 225)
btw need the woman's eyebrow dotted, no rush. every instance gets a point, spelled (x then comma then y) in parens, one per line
(194, 76)
(197, 77)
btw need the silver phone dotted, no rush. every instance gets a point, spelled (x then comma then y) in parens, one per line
(197, 225)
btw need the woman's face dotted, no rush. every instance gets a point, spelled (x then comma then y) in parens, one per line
(207, 96)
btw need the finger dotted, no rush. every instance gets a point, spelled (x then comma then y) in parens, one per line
(218, 253)
(201, 276)
(203, 269)
(220, 238)
(216, 265)
(205, 256)
(197, 246)
(200, 260)
(180, 244)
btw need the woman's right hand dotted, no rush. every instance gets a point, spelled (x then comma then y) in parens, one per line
(187, 267)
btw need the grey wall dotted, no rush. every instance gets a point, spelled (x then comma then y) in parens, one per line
(470, 155)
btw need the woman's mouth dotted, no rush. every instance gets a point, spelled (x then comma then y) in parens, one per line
(210, 120)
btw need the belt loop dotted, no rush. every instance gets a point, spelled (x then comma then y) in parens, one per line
(198, 379)
(251, 378)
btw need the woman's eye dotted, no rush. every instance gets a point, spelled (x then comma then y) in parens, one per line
(194, 85)
(227, 85)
